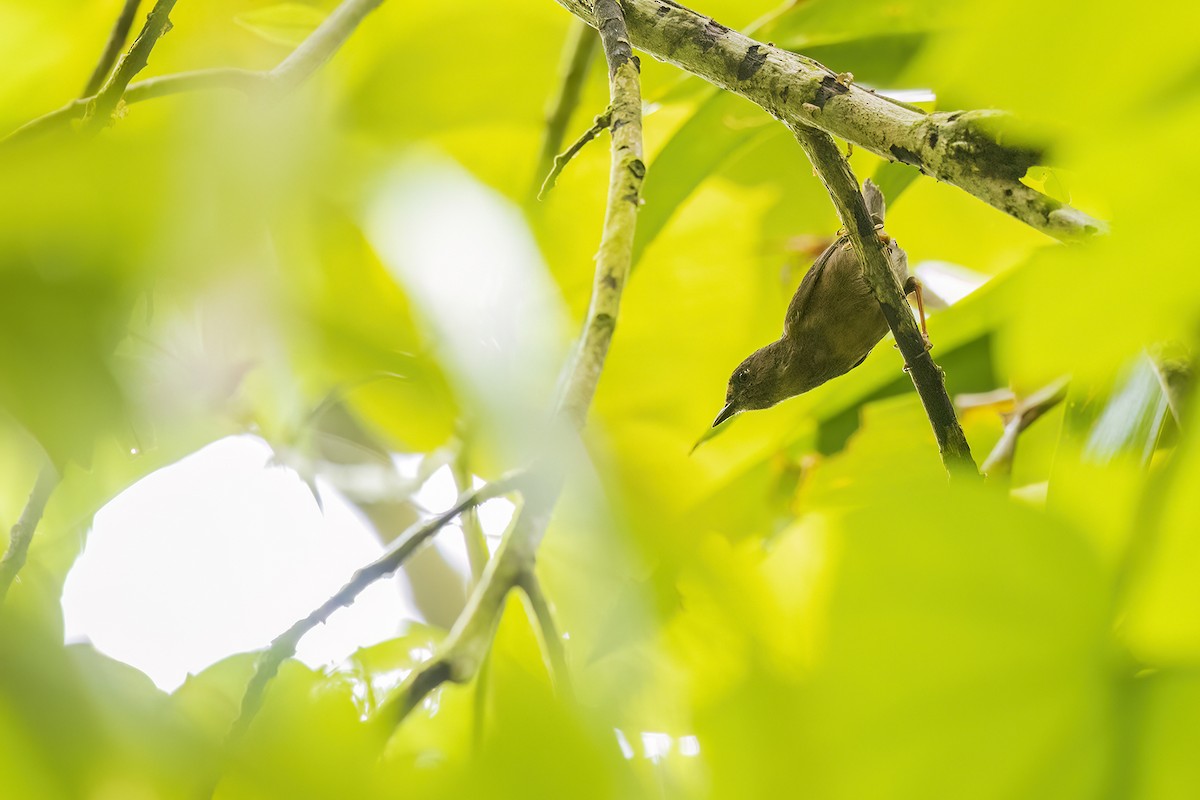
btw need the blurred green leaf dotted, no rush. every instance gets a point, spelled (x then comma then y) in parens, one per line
(286, 23)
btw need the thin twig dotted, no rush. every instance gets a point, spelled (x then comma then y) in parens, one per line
(842, 186)
(477, 557)
(561, 160)
(961, 148)
(112, 48)
(284, 645)
(22, 532)
(101, 107)
(552, 644)
(290, 73)
(460, 655)
(999, 462)
(578, 53)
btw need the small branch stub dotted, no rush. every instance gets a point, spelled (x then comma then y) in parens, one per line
(561, 160)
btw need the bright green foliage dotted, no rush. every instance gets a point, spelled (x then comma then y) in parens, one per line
(803, 605)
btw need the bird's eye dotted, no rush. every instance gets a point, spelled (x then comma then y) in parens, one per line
(741, 376)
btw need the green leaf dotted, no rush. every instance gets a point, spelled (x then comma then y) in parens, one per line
(721, 125)
(286, 24)
(1047, 181)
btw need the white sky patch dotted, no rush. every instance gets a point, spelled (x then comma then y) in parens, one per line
(948, 281)
(218, 554)
(656, 746)
(910, 95)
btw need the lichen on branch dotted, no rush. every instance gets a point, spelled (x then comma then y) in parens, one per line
(960, 148)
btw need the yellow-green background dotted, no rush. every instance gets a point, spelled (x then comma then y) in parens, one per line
(805, 594)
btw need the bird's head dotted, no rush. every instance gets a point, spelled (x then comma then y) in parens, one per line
(758, 382)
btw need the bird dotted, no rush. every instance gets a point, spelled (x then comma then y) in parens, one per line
(831, 324)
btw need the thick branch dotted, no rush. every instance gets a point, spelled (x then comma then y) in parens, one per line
(620, 217)
(22, 532)
(999, 461)
(100, 109)
(300, 65)
(461, 654)
(112, 48)
(835, 173)
(578, 52)
(959, 148)
(284, 646)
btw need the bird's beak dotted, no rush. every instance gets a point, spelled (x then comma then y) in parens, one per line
(726, 412)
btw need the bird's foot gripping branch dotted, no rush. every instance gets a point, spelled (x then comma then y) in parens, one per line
(835, 173)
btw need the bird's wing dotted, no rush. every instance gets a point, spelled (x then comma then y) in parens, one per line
(876, 205)
(799, 305)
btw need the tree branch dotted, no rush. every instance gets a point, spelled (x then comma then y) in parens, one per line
(620, 216)
(289, 74)
(284, 645)
(578, 52)
(116, 40)
(459, 657)
(22, 532)
(960, 148)
(551, 640)
(999, 462)
(321, 44)
(473, 537)
(100, 108)
(842, 186)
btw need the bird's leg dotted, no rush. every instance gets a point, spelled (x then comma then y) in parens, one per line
(880, 233)
(913, 286)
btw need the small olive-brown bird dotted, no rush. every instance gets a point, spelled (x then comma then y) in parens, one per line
(831, 325)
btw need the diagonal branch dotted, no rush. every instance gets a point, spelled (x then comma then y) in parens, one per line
(834, 172)
(284, 645)
(998, 464)
(461, 654)
(22, 532)
(100, 109)
(551, 640)
(961, 148)
(321, 44)
(289, 74)
(561, 160)
(112, 48)
(578, 52)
